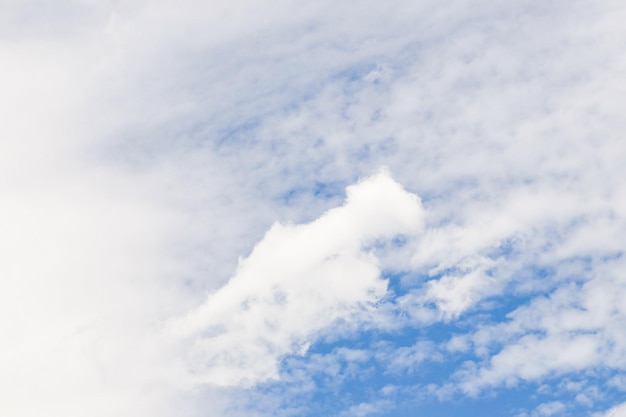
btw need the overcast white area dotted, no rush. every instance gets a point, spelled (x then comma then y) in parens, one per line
(204, 206)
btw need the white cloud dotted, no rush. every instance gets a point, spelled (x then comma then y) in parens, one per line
(409, 358)
(572, 330)
(80, 291)
(453, 294)
(617, 411)
(368, 409)
(298, 281)
(549, 409)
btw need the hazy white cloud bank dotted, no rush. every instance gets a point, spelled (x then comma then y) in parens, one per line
(144, 148)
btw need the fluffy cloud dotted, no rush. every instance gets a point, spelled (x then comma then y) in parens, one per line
(298, 281)
(574, 329)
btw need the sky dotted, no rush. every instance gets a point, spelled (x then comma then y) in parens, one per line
(342, 209)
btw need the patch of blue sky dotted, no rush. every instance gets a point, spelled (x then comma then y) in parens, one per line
(339, 386)
(232, 138)
(336, 383)
(500, 403)
(361, 365)
(328, 190)
(355, 73)
(319, 190)
(400, 283)
(581, 393)
(329, 387)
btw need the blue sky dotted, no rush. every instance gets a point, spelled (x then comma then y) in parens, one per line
(254, 208)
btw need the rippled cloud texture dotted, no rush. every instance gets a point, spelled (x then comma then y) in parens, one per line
(254, 208)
